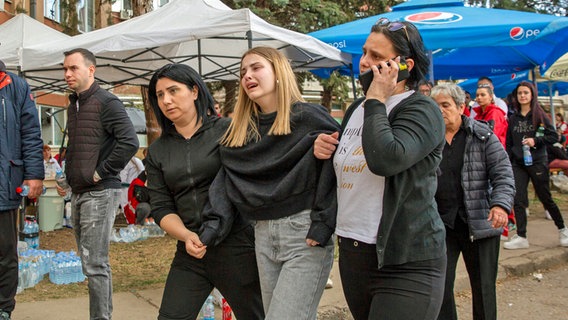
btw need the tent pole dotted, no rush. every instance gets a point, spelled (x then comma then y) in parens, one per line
(249, 38)
(552, 113)
(353, 81)
(199, 55)
(431, 66)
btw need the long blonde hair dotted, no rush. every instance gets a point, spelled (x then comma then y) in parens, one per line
(244, 128)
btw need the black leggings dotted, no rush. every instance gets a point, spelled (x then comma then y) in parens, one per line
(538, 174)
(413, 290)
(230, 267)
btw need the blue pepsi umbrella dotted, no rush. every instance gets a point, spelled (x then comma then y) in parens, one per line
(503, 84)
(506, 83)
(466, 42)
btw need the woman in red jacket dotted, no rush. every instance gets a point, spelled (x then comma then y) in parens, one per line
(490, 113)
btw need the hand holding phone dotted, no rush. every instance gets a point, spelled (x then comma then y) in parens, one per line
(366, 77)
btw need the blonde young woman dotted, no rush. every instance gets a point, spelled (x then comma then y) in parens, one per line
(270, 176)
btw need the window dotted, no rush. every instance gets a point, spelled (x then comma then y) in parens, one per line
(52, 124)
(86, 14)
(52, 10)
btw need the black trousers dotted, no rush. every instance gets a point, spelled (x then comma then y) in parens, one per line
(413, 290)
(230, 267)
(481, 259)
(538, 174)
(8, 259)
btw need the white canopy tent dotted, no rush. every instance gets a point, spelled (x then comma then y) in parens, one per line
(23, 31)
(204, 34)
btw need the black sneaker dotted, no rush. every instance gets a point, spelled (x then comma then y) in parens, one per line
(4, 315)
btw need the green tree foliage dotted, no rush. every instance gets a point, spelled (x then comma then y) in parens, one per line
(69, 17)
(555, 7)
(311, 15)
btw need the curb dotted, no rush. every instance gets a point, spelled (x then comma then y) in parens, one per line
(534, 261)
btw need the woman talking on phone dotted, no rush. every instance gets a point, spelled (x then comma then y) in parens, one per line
(391, 239)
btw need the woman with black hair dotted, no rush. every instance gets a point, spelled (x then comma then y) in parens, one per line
(392, 252)
(523, 126)
(181, 166)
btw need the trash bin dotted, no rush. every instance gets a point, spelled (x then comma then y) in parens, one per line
(50, 210)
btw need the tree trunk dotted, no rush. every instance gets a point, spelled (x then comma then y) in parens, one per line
(326, 98)
(140, 7)
(153, 130)
(231, 88)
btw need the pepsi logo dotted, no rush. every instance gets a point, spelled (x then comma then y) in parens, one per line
(433, 17)
(513, 76)
(518, 33)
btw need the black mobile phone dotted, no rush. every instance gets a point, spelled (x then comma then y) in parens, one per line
(366, 77)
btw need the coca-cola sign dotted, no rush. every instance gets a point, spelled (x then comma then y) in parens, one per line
(559, 73)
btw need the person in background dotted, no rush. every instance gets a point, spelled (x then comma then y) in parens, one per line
(487, 111)
(101, 141)
(561, 128)
(557, 159)
(217, 107)
(487, 82)
(473, 220)
(50, 164)
(425, 87)
(392, 250)
(269, 175)
(523, 125)
(131, 171)
(468, 103)
(21, 164)
(181, 166)
(60, 157)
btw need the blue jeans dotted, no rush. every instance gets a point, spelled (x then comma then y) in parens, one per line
(92, 215)
(292, 274)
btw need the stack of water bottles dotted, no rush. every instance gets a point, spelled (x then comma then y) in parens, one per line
(30, 232)
(66, 268)
(32, 266)
(133, 232)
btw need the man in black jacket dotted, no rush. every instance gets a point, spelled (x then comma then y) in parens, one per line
(101, 141)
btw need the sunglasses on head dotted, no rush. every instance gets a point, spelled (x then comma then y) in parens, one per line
(392, 26)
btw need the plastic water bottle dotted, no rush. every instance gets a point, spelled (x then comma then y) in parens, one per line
(527, 156)
(31, 235)
(35, 232)
(209, 309)
(24, 190)
(61, 180)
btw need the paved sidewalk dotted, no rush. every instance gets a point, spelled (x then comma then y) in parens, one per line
(544, 252)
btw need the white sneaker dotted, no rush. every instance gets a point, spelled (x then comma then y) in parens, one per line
(329, 283)
(548, 217)
(504, 238)
(563, 237)
(517, 242)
